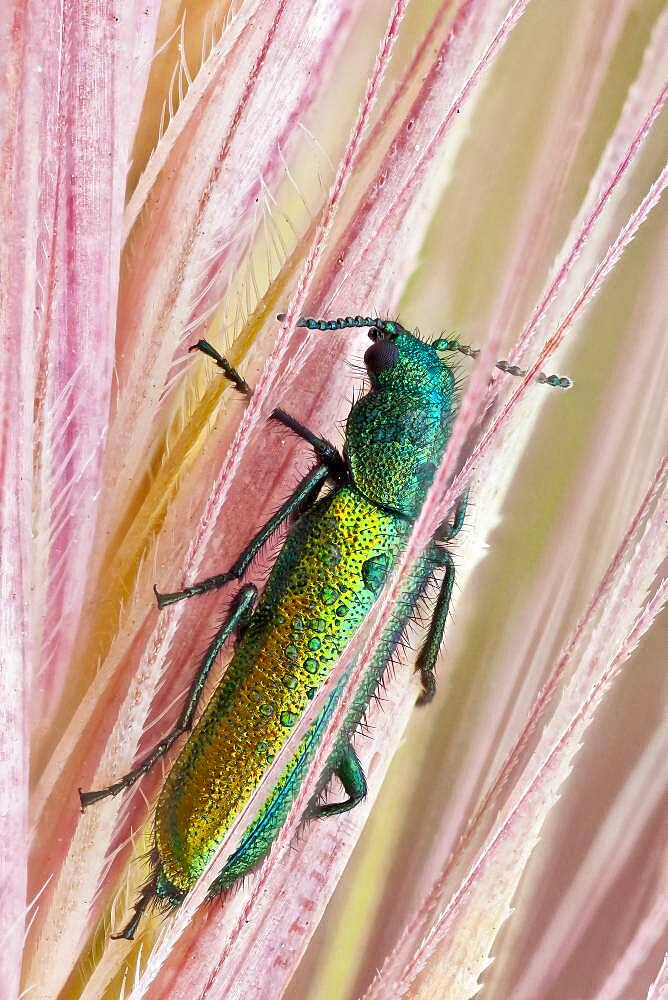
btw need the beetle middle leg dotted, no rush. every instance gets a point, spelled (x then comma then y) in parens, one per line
(239, 614)
(306, 492)
(146, 897)
(349, 772)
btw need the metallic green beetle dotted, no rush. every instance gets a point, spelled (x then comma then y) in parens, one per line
(323, 584)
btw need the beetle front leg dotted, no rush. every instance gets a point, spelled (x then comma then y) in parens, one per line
(350, 774)
(428, 655)
(324, 449)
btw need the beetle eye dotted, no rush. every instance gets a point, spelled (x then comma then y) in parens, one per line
(374, 333)
(381, 356)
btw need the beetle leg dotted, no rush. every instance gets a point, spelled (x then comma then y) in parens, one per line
(350, 774)
(447, 531)
(239, 613)
(306, 491)
(145, 899)
(428, 654)
(324, 449)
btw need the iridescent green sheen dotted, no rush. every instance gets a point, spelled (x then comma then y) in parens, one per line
(401, 427)
(323, 584)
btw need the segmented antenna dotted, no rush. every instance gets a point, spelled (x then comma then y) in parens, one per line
(346, 323)
(440, 344)
(556, 381)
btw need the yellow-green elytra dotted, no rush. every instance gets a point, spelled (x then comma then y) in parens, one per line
(327, 576)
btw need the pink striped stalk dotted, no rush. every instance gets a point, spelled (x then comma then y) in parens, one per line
(146, 468)
(65, 101)
(622, 240)
(650, 933)
(17, 291)
(87, 95)
(659, 988)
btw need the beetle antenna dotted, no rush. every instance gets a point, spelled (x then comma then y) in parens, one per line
(346, 323)
(556, 381)
(440, 344)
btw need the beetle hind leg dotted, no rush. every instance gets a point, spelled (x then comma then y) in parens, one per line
(240, 612)
(145, 899)
(351, 775)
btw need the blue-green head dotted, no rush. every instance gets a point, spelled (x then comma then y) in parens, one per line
(396, 434)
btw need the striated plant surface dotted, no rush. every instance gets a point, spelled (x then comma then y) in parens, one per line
(491, 168)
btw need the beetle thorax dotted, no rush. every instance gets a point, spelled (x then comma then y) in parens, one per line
(394, 442)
